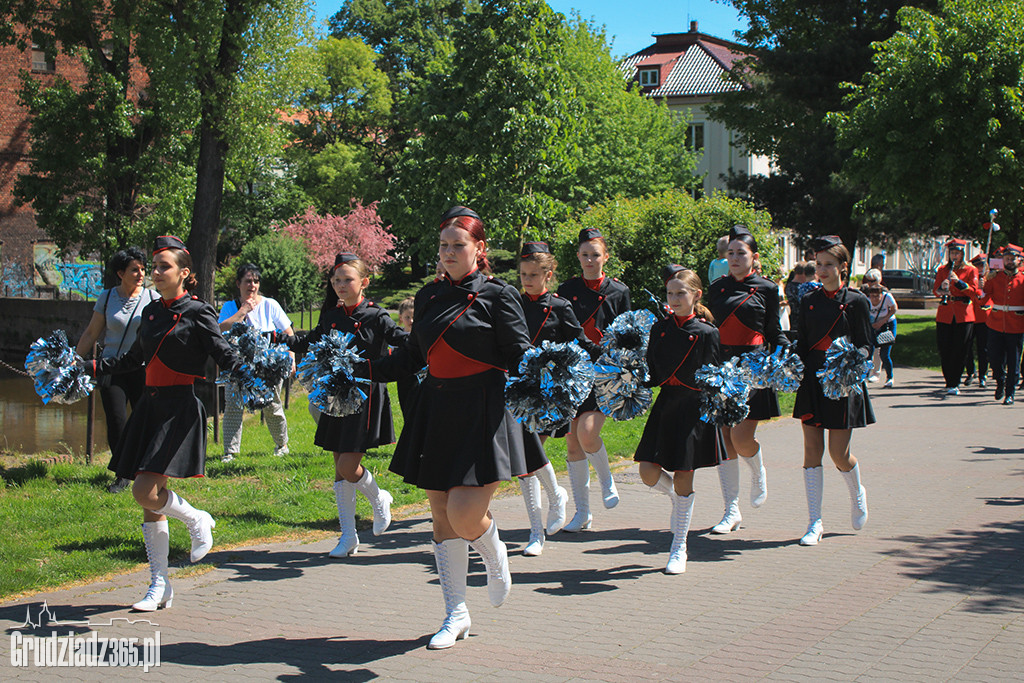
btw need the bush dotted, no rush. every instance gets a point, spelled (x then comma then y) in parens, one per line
(646, 234)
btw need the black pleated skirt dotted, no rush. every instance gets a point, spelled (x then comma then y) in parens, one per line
(165, 434)
(460, 434)
(359, 432)
(813, 408)
(533, 451)
(675, 437)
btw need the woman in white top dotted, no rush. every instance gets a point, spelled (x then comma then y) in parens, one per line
(266, 315)
(883, 321)
(115, 319)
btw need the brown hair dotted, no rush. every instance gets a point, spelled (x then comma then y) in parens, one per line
(406, 304)
(184, 260)
(598, 240)
(692, 282)
(544, 260)
(330, 296)
(475, 228)
(841, 254)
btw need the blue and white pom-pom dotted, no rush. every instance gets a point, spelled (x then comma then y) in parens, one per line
(621, 373)
(271, 363)
(781, 370)
(552, 382)
(57, 371)
(326, 371)
(724, 394)
(620, 384)
(248, 390)
(846, 369)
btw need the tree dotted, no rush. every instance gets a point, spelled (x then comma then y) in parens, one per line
(528, 121)
(360, 232)
(108, 166)
(804, 50)
(938, 124)
(648, 233)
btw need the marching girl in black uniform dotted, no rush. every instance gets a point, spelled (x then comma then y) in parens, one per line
(165, 436)
(826, 314)
(346, 310)
(746, 310)
(460, 441)
(548, 318)
(675, 439)
(596, 300)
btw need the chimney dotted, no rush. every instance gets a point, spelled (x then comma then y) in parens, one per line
(693, 26)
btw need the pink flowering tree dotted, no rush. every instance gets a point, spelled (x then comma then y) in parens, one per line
(361, 231)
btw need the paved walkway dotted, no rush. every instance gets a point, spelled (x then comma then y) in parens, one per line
(931, 589)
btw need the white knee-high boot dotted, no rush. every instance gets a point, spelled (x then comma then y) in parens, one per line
(664, 484)
(199, 523)
(380, 501)
(579, 480)
(452, 558)
(345, 497)
(813, 481)
(531, 497)
(599, 459)
(758, 479)
(160, 593)
(729, 478)
(557, 498)
(858, 497)
(682, 510)
(495, 556)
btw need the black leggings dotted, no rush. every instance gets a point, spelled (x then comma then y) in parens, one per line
(952, 340)
(981, 344)
(124, 388)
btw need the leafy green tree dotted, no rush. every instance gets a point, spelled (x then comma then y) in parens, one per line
(804, 51)
(107, 164)
(937, 125)
(528, 121)
(648, 233)
(337, 174)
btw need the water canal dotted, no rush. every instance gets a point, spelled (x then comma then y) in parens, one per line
(28, 426)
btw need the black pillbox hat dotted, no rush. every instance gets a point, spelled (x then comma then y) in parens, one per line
(534, 248)
(825, 242)
(587, 234)
(457, 211)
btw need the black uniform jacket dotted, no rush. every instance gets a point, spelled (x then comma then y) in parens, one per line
(675, 352)
(550, 318)
(479, 317)
(824, 319)
(595, 310)
(746, 312)
(181, 336)
(372, 327)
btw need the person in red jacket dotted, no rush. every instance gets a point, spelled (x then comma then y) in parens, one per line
(1004, 290)
(956, 284)
(980, 344)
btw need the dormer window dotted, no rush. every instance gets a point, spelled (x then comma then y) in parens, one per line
(649, 77)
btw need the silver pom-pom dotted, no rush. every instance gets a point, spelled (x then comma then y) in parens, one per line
(781, 370)
(248, 390)
(552, 382)
(621, 373)
(724, 393)
(846, 369)
(57, 371)
(326, 371)
(271, 363)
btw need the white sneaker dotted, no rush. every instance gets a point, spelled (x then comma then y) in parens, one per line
(227, 457)
(888, 384)
(953, 391)
(281, 450)
(873, 378)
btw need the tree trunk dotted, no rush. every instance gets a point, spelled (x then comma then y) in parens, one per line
(202, 240)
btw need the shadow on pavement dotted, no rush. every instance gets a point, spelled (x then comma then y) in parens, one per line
(40, 618)
(311, 656)
(984, 564)
(582, 581)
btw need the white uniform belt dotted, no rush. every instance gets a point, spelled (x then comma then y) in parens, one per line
(1000, 307)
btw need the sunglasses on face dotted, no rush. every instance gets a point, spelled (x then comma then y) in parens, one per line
(872, 290)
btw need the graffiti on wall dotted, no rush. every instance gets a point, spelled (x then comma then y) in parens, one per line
(83, 279)
(16, 282)
(49, 273)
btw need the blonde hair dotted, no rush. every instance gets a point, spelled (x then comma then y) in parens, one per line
(544, 260)
(692, 282)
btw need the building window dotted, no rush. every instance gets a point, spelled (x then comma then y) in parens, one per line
(649, 77)
(695, 136)
(41, 63)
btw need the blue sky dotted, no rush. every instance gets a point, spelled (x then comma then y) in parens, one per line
(630, 24)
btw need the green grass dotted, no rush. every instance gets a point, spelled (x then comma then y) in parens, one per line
(915, 343)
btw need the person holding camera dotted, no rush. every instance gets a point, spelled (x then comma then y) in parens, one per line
(1004, 291)
(956, 285)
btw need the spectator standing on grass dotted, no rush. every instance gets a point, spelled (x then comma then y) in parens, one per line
(883, 321)
(266, 315)
(116, 318)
